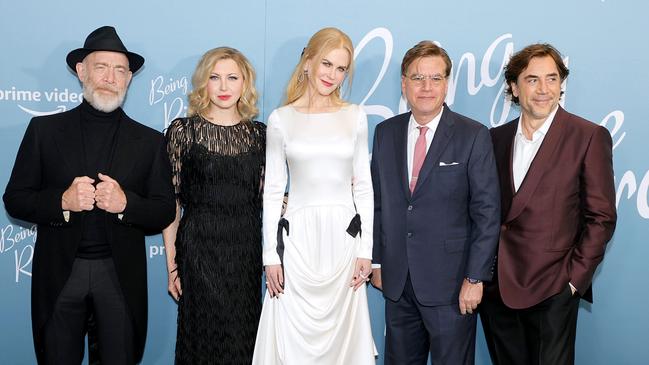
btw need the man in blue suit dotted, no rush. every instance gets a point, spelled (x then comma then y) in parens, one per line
(436, 220)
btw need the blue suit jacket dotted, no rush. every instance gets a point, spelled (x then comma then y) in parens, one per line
(447, 229)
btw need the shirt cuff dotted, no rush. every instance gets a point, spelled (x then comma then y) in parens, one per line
(376, 266)
(271, 258)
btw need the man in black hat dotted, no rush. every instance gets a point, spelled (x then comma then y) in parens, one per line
(95, 181)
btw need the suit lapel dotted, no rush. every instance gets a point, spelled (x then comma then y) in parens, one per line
(543, 160)
(442, 136)
(505, 170)
(68, 140)
(401, 152)
(126, 148)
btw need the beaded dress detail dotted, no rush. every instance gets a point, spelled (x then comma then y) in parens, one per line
(218, 174)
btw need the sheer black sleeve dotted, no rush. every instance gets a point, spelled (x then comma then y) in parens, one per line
(179, 140)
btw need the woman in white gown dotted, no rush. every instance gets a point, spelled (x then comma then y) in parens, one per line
(318, 255)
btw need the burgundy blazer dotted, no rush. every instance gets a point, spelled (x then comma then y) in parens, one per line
(554, 230)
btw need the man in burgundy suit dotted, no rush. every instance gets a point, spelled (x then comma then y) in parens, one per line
(558, 213)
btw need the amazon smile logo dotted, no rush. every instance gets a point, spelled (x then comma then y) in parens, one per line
(23, 98)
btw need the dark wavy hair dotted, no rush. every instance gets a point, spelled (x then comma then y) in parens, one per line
(521, 59)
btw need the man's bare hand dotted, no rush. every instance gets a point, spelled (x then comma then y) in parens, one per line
(470, 297)
(109, 195)
(80, 195)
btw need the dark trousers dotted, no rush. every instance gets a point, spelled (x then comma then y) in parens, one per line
(414, 331)
(540, 335)
(91, 287)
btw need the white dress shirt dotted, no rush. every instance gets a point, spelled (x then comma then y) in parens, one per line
(525, 150)
(413, 134)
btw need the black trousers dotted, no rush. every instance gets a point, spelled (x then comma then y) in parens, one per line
(413, 331)
(92, 287)
(543, 334)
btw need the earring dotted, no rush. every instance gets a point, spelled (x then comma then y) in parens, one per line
(302, 76)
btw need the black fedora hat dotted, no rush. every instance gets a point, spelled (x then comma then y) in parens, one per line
(104, 39)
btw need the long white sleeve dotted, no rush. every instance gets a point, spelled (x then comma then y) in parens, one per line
(362, 188)
(274, 186)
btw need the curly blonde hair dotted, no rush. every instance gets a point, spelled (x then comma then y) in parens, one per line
(199, 101)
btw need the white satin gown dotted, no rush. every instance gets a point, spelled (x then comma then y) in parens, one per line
(320, 319)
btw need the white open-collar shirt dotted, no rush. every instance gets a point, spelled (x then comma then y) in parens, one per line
(525, 150)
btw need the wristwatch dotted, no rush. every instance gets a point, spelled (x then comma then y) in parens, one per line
(473, 281)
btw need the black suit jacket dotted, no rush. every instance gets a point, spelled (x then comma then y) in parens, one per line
(49, 158)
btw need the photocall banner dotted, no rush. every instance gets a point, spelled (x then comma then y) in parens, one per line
(603, 43)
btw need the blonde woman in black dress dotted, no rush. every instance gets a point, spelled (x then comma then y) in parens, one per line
(214, 245)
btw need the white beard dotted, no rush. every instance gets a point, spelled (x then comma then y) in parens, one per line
(103, 102)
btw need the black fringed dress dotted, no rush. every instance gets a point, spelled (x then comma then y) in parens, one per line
(218, 173)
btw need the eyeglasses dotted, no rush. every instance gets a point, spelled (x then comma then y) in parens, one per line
(419, 79)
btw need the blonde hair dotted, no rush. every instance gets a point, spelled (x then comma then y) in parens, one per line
(199, 101)
(322, 42)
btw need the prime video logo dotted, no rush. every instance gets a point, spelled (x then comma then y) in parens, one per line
(21, 96)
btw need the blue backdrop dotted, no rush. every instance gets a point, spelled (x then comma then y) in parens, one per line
(603, 41)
